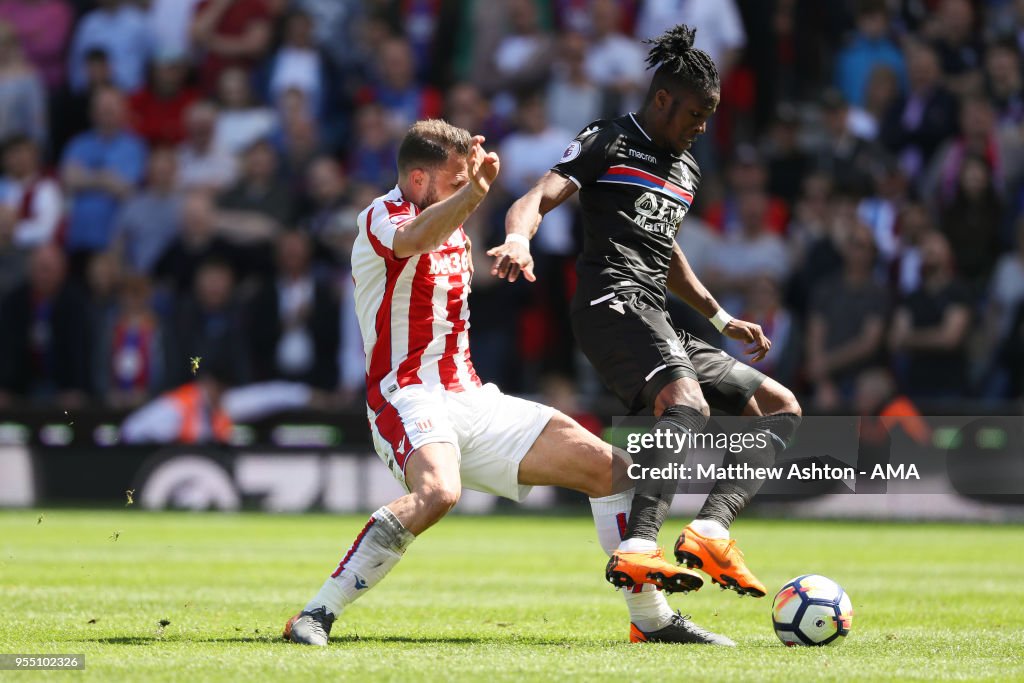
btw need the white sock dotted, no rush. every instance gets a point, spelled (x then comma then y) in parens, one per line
(637, 545)
(710, 528)
(377, 548)
(648, 608)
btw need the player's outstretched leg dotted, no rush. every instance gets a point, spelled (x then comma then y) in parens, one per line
(638, 559)
(432, 475)
(705, 543)
(650, 617)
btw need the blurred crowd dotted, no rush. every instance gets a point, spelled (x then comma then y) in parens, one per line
(180, 179)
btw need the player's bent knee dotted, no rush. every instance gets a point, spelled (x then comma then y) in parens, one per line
(439, 500)
(682, 394)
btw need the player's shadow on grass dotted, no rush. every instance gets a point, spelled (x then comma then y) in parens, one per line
(152, 640)
(338, 641)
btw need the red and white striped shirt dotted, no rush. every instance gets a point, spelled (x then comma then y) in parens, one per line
(414, 311)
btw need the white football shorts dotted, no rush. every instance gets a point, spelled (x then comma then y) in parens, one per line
(491, 432)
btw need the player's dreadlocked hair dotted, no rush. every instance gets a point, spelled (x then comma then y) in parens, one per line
(679, 63)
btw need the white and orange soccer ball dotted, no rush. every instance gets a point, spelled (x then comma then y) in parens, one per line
(811, 610)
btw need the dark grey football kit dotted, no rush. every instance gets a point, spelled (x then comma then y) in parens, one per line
(634, 197)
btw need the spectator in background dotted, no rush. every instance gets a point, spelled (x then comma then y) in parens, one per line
(231, 33)
(44, 351)
(297, 140)
(955, 39)
(918, 123)
(394, 88)
(720, 28)
(846, 327)
(746, 174)
(466, 107)
(129, 362)
(1006, 291)
(972, 224)
(1000, 331)
(764, 306)
(74, 107)
(787, 162)
(293, 323)
(201, 164)
(119, 29)
(883, 90)
(208, 324)
(372, 156)
(102, 279)
(522, 59)
(170, 23)
(1004, 82)
(869, 48)
(22, 94)
(847, 157)
(334, 23)
(258, 206)
(526, 155)
(929, 330)
(977, 140)
(158, 109)
(192, 413)
(614, 62)
(150, 220)
(326, 195)
(751, 253)
(205, 409)
(810, 214)
(31, 203)
(241, 120)
(197, 243)
(914, 224)
(298, 64)
(573, 99)
(43, 27)
(100, 169)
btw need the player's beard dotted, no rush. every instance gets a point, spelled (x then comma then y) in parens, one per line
(430, 195)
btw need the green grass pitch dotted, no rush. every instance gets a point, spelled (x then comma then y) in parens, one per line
(488, 598)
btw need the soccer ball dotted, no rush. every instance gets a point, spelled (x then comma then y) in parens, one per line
(811, 610)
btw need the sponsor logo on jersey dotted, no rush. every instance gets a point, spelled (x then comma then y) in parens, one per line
(656, 213)
(572, 151)
(642, 156)
(451, 263)
(684, 175)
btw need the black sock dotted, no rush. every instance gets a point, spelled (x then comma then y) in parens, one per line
(653, 497)
(728, 498)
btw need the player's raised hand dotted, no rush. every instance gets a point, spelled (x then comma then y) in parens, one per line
(752, 334)
(512, 259)
(483, 166)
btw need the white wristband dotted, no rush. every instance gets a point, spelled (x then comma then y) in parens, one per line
(720, 319)
(519, 239)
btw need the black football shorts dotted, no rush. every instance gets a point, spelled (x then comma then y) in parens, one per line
(637, 353)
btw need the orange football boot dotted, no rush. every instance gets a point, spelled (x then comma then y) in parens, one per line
(720, 559)
(626, 570)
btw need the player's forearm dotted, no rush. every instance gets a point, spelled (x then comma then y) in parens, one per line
(524, 216)
(685, 284)
(434, 226)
